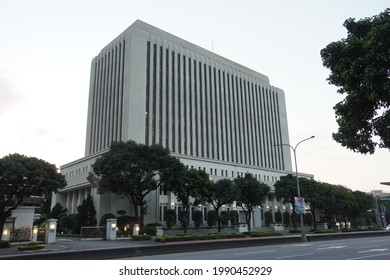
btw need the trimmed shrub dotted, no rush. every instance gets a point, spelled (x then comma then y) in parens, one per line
(142, 237)
(308, 218)
(67, 223)
(268, 218)
(171, 218)
(211, 218)
(224, 217)
(184, 218)
(233, 217)
(278, 217)
(103, 219)
(286, 218)
(4, 244)
(198, 218)
(31, 246)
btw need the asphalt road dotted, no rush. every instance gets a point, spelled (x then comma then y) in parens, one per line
(366, 248)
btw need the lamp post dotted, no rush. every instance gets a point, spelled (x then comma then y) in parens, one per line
(303, 236)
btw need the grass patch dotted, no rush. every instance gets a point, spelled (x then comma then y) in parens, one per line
(31, 246)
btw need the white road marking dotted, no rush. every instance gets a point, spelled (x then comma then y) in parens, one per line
(372, 250)
(331, 247)
(293, 256)
(252, 253)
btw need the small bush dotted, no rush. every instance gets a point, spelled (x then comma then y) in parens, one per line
(224, 216)
(268, 218)
(278, 217)
(31, 246)
(264, 233)
(198, 218)
(233, 217)
(149, 230)
(4, 244)
(211, 218)
(103, 219)
(142, 237)
(171, 218)
(286, 218)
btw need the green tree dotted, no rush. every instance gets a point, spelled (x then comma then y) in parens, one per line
(22, 177)
(360, 68)
(286, 188)
(56, 211)
(86, 213)
(251, 193)
(218, 194)
(187, 191)
(134, 170)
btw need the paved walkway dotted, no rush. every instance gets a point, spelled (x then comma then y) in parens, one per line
(74, 244)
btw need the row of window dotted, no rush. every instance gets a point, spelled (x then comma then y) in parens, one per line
(197, 109)
(77, 171)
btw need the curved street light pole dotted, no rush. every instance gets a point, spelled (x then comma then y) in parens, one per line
(303, 235)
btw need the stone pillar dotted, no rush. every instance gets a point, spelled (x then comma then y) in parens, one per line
(5, 234)
(111, 229)
(34, 234)
(136, 229)
(51, 231)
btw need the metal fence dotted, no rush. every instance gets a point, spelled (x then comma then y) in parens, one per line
(20, 234)
(92, 233)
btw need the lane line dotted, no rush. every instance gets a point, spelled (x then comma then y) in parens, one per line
(293, 256)
(252, 253)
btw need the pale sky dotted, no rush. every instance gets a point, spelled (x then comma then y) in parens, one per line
(47, 47)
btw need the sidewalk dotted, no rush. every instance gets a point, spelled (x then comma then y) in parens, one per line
(75, 244)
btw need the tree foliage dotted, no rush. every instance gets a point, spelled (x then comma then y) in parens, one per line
(218, 194)
(251, 193)
(187, 190)
(135, 170)
(22, 177)
(360, 68)
(86, 213)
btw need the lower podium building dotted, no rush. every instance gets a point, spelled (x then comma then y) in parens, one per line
(212, 113)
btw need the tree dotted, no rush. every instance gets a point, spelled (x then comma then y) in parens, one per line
(360, 68)
(364, 202)
(22, 177)
(286, 188)
(134, 170)
(187, 191)
(251, 193)
(86, 213)
(218, 194)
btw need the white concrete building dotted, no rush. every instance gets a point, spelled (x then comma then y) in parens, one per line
(212, 113)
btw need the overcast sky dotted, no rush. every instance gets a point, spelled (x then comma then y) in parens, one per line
(47, 47)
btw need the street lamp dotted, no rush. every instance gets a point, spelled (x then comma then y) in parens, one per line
(303, 236)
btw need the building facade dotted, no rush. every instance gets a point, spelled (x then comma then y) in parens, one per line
(213, 114)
